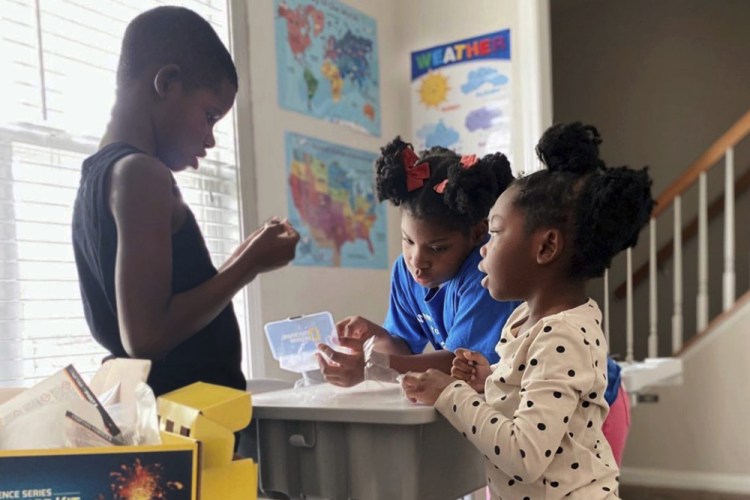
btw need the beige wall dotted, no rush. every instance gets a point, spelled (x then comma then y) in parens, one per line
(297, 289)
(662, 80)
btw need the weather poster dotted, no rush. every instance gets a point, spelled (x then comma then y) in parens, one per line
(333, 205)
(461, 95)
(327, 62)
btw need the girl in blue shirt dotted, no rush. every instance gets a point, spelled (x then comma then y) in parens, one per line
(436, 294)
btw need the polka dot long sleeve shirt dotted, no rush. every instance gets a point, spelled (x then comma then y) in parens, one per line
(539, 423)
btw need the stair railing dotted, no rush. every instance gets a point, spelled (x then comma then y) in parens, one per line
(672, 197)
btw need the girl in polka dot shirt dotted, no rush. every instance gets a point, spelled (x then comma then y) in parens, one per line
(539, 421)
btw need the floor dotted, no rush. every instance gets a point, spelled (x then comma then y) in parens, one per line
(648, 493)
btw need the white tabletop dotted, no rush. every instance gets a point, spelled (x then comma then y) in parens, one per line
(369, 402)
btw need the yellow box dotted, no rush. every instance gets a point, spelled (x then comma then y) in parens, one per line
(211, 414)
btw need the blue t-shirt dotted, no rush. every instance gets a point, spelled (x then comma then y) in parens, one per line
(460, 313)
(613, 381)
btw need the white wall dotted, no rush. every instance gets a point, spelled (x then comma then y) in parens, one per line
(402, 28)
(698, 436)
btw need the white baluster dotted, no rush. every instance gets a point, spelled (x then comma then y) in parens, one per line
(606, 305)
(702, 298)
(677, 285)
(653, 339)
(729, 279)
(629, 308)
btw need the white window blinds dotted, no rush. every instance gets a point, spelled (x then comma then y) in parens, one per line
(57, 83)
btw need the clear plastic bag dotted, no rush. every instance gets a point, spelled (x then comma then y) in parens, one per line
(135, 415)
(377, 364)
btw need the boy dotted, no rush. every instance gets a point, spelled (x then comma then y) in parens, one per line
(148, 285)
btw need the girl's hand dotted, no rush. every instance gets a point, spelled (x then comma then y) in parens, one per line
(425, 387)
(338, 368)
(471, 367)
(355, 330)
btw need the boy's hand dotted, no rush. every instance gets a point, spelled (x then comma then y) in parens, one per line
(338, 368)
(271, 246)
(425, 387)
(241, 248)
(471, 367)
(355, 330)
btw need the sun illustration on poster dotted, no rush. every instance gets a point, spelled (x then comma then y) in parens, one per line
(434, 89)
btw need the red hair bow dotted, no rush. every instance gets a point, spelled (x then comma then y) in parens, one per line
(416, 173)
(468, 161)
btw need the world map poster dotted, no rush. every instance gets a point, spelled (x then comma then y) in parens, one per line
(461, 95)
(333, 204)
(327, 62)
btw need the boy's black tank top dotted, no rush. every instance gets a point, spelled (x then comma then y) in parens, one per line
(214, 353)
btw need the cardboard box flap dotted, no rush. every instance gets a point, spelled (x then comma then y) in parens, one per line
(236, 481)
(217, 441)
(228, 407)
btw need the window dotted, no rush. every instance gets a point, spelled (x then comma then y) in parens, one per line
(57, 83)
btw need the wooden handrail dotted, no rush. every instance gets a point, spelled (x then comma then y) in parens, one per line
(688, 232)
(704, 162)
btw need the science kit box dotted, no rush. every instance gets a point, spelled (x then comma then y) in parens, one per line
(194, 460)
(165, 471)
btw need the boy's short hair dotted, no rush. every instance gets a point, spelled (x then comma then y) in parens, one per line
(175, 35)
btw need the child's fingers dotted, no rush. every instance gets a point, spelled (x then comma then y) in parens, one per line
(347, 328)
(467, 355)
(463, 365)
(460, 353)
(461, 374)
(255, 233)
(321, 362)
(345, 334)
(280, 231)
(341, 327)
(476, 358)
(356, 328)
(325, 363)
(354, 344)
(333, 356)
(464, 369)
(288, 225)
(325, 368)
(290, 232)
(411, 380)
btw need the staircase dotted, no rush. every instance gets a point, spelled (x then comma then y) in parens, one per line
(663, 363)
